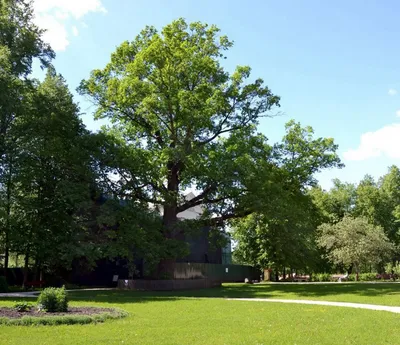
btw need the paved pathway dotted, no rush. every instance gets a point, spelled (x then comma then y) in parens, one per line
(333, 304)
(20, 294)
(332, 283)
(35, 293)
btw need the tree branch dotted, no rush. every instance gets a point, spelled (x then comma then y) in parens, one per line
(219, 221)
(197, 200)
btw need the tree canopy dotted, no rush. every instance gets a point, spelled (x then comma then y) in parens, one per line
(179, 121)
(354, 242)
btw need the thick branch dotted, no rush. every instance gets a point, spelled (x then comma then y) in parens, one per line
(219, 221)
(155, 134)
(197, 200)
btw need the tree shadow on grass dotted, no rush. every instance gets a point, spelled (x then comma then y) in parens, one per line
(104, 297)
(232, 291)
(242, 291)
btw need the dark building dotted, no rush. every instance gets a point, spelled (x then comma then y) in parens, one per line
(201, 250)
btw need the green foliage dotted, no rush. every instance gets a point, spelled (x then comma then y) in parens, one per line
(335, 204)
(303, 156)
(3, 284)
(131, 231)
(393, 267)
(53, 300)
(327, 277)
(43, 149)
(282, 232)
(366, 277)
(168, 115)
(281, 235)
(22, 36)
(377, 201)
(322, 277)
(352, 277)
(354, 242)
(22, 307)
(51, 178)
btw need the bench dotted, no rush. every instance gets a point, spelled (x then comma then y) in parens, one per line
(387, 276)
(301, 279)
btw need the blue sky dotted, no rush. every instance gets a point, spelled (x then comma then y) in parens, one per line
(336, 64)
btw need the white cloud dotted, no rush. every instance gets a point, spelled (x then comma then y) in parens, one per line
(398, 113)
(392, 92)
(56, 34)
(56, 16)
(75, 8)
(75, 31)
(383, 142)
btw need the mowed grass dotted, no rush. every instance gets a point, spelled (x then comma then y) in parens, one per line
(186, 318)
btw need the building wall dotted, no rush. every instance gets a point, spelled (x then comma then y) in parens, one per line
(201, 250)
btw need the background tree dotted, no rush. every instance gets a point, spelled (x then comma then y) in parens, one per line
(280, 242)
(52, 176)
(390, 187)
(22, 37)
(20, 43)
(336, 203)
(354, 242)
(282, 232)
(378, 202)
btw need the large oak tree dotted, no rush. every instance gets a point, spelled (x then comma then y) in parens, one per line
(180, 120)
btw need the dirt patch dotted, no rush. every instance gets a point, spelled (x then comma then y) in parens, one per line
(79, 311)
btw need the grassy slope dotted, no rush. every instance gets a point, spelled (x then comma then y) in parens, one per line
(167, 319)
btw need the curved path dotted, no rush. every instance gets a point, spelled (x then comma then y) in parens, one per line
(332, 304)
(24, 294)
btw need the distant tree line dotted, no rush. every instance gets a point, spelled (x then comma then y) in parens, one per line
(351, 227)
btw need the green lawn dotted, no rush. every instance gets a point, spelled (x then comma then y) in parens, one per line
(181, 318)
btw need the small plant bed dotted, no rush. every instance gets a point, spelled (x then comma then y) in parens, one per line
(74, 315)
(52, 309)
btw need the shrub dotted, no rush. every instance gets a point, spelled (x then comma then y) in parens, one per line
(352, 277)
(3, 284)
(22, 307)
(322, 277)
(395, 268)
(367, 277)
(53, 300)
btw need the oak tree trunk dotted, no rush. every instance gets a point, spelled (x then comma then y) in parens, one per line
(26, 269)
(8, 223)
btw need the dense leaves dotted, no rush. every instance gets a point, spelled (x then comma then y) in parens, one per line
(354, 242)
(180, 120)
(22, 37)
